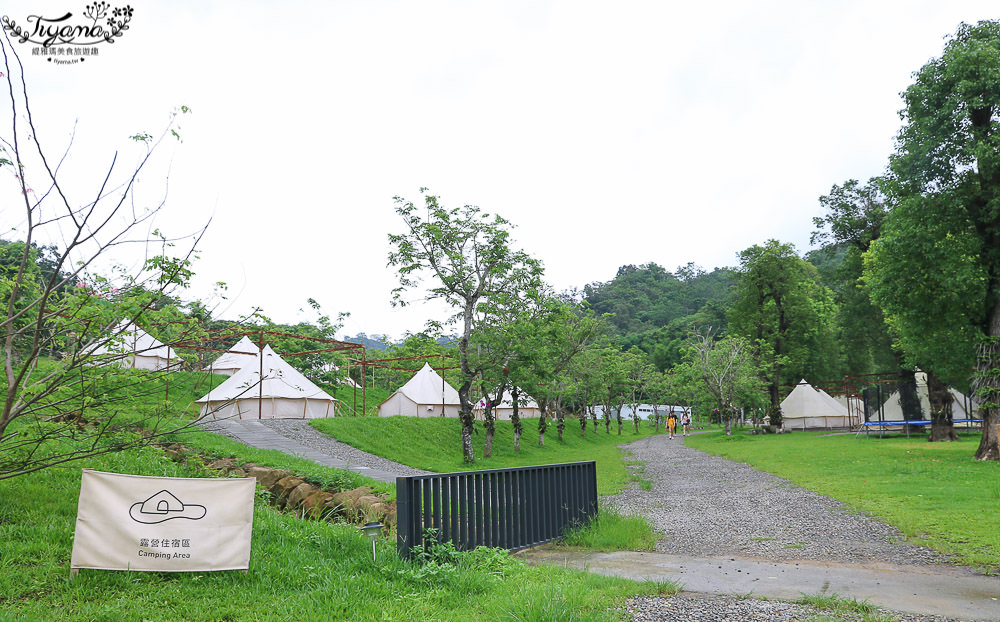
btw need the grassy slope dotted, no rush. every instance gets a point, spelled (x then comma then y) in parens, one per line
(300, 570)
(934, 492)
(434, 444)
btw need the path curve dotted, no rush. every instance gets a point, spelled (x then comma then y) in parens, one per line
(296, 437)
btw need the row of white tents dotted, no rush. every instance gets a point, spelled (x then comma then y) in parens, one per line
(810, 407)
(427, 394)
(285, 393)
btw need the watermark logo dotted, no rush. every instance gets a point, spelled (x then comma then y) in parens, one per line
(68, 38)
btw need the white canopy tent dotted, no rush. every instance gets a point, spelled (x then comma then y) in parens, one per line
(426, 394)
(808, 407)
(134, 348)
(242, 354)
(527, 407)
(284, 393)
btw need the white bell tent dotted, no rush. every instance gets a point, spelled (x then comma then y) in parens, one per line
(241, 355)
(892, 410)
(284, 393)
(132, 347)
(808, 407)
(527, 407)
(426, 394)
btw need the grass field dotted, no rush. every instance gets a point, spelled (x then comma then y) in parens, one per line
(434, 444)
(934, 492)
(300, 570)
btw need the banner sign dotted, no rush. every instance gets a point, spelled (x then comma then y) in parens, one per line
(165, 524)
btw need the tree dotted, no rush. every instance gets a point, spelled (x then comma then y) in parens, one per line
(946, 173)
(639, 374)
(854, 218)
(727, 371)
(555, 337)
(469, 254)
(788, 314)
(64, 400)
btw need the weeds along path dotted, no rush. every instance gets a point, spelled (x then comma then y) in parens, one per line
(707, 506)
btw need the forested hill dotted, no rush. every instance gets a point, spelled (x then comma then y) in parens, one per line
(655, 309)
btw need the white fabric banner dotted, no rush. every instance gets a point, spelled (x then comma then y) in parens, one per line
(166, 524)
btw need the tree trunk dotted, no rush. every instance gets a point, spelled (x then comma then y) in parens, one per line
(467, 452)
(543, 421)
(988, 389)
(560, 424)
(515, 419)
(774, 411)
(583, 425)
(942, 428)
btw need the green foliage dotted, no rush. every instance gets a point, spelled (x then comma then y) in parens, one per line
(609, 531)
(947, 183)
(656, 310)
(932, 492)
(924, 275)
(784, 310)
(469, 254)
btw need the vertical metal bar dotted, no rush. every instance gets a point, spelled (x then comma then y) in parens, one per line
(526, 507)
(453, 506)
(511, 513)
(404, 518)
(463, 511)
(592, 480)
(502, 517)
(498, 511)
(478, 515)
(428, 504)
(436, 492)
(445, 509)
(559, 503)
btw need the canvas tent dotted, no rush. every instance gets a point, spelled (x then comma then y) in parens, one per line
(426, 394)
(284, 393)
(527, 407)
(892, 409)
(242, 354)
(134, 348)
(808, 407)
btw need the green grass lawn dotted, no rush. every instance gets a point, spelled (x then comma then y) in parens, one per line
(434, 444)
(934, 492)
(299, 570)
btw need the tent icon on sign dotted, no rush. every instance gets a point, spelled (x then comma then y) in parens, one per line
(164, 506)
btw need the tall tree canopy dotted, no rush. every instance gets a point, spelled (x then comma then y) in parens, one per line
(935, 271)
(789, 315)
(469, 254)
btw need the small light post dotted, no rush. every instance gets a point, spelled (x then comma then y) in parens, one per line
(372, 530)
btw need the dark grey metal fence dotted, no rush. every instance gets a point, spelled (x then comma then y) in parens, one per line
(506, 508)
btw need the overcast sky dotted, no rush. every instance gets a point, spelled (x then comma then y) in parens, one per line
(610, 133)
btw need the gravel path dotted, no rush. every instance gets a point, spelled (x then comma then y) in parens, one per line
(300, 431)
(710, 608)
(708, 506)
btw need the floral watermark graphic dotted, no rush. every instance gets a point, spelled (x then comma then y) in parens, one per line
(69, 38)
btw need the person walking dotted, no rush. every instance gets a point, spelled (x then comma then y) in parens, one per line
(671, 423)
(686, 423)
